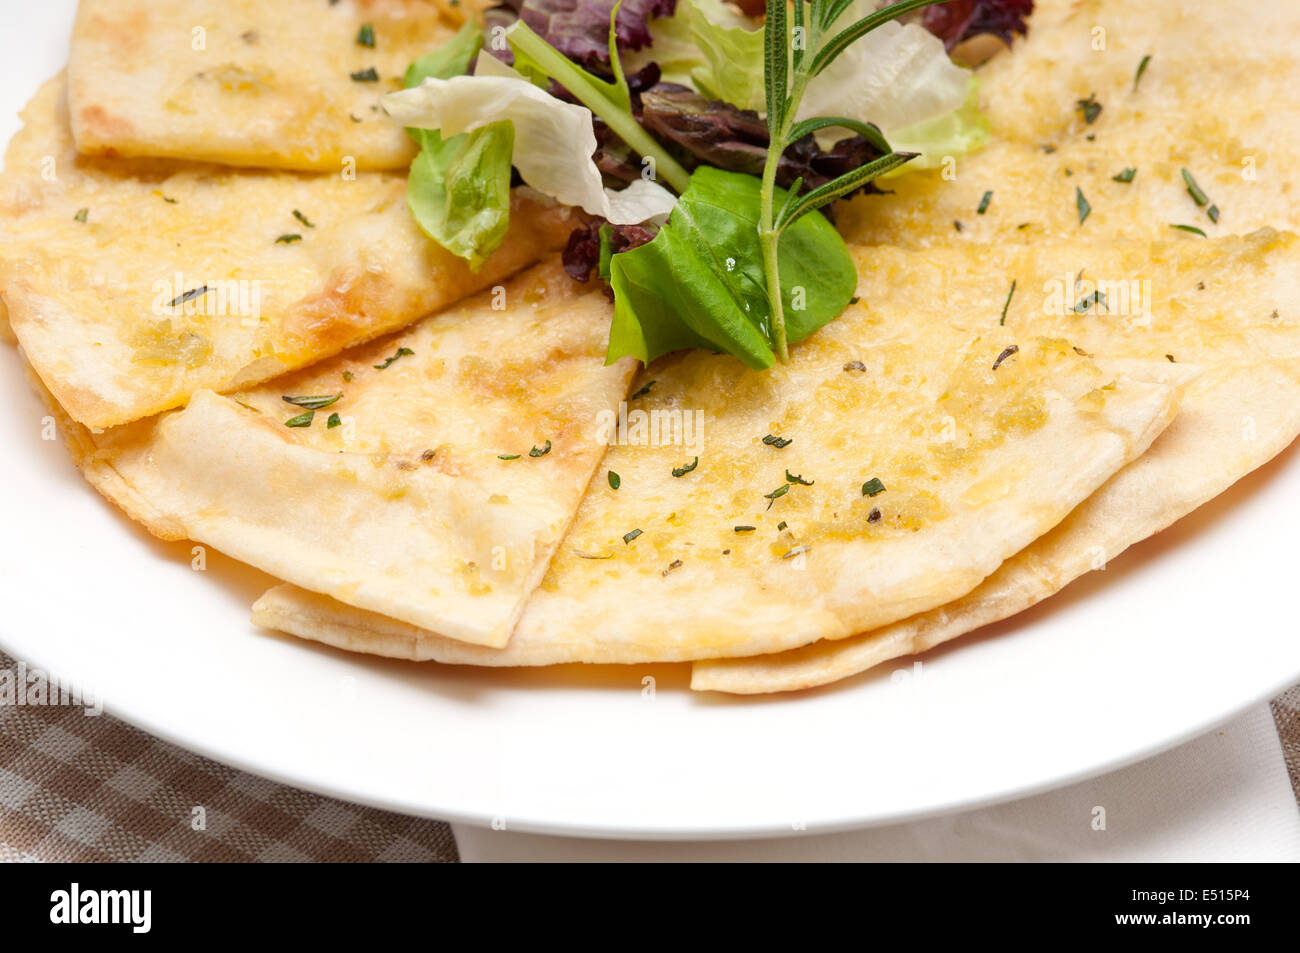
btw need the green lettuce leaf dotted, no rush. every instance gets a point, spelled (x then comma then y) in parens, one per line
(699, 283)
(708, 46)
(459, 187)
(961, 131)
(459, 191)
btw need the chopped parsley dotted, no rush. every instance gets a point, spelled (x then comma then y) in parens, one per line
(1082, 203)
(540, 451)
(302, 420)
(873, 487)
(743, 529)
(1213, 212)
(1190, 228)
(779, 442)
(644, 390)
(401, 352)
(796, 478)
(615, 481)
(1090, 108)
(683, 470)
(1195, 191)
(313, 403)
(776, 494)
(507, 456)
(628, 537)
(288, 239)
(302, 218)
(190, 295)
(1006, 304)
(81, 215)
(347, 377)
(1142, 68)
(1087, 301)
(334, 421)
(365, 76)
(366, 37)
(1126, 176)
(1006, 353)
(984, 203)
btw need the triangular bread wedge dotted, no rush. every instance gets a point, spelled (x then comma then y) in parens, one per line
(282, 84)
(718, 537)
(132, 284)
(434, 489)
(1231, 307)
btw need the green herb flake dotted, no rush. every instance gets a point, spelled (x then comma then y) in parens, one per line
(401, 352)
(1190, 228)
(644, 390)
(190, 295)
(1090, 108)
(781, 525)
(81, 215)
(1125, 177)
(348, 377)
(313, 403)
(1087, 301)
(365, 76)
(1082, 203)
(683, 470)
(615, 481)
(628, 537)
(779, 442)
(507, 456)
(334, 421)
(776, 494)
(797, 478)
(984, 203)
(540, 451)
(1213, 213)
(1006, 353)
(1195, 191)
(873, 487)
(288, 239)
(1006, 304)
(366, 36)
(302, 218)
(743, 529)
(1142, 68)
(302, 420)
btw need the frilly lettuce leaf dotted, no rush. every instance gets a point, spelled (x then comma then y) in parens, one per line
(553, 143)
(954, 134)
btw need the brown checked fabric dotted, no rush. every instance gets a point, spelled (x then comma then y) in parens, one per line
(78, 787)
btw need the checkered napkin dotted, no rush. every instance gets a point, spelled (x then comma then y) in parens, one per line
(89, 788)
(79, 787)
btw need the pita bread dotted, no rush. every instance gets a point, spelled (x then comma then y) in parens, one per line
(1217, 98)
(1231, 306)
(131, 284)
(247, 82)
(1187, 111)
(405, 503)
(976, 462)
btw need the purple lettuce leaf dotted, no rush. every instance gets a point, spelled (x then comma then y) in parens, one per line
(959, 20)
(580, 28)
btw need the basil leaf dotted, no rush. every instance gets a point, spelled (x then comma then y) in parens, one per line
(459, 191)
(699, 283)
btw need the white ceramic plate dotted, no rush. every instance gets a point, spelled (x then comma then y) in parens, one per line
(1174, 638)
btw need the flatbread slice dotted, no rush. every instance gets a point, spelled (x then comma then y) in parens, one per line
(284, 84)
(431, 482)
(132, 284)
(1230, 306)
(739, 511)
(1217, 98)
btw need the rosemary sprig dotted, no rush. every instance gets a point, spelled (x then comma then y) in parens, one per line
(787, 72)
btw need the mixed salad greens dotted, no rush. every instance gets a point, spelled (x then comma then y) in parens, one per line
(706, 146)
